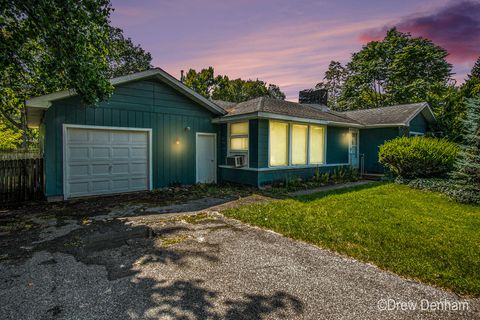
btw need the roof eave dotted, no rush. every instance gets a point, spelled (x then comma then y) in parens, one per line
(45, 101)
(275, 116)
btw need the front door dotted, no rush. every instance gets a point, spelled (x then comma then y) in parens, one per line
(354, 148)
(206, 158)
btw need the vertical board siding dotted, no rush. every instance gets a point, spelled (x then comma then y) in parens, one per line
(142, 104)
(253, 144)
(370, 141)
(419, 124)
(337, 145)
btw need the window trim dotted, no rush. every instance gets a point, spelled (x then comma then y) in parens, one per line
(289, 145)
(230, 136)
(324, 160)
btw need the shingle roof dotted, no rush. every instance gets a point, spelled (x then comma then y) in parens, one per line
(282, 107)
(397, 114)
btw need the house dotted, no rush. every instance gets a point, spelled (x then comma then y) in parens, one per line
(154, 132)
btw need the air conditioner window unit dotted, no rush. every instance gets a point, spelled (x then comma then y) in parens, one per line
(236, 161)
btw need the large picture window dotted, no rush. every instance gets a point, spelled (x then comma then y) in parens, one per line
(299, 144)
(317, 145)
(278, 143)
(296, 144)
(239, 136)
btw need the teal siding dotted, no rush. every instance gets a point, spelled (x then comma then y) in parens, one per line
(253, 143)
(281, 175)
(265, 177)
(419, 124)
(370, 141)
(239, 176)
(337, 145)
(142, 104)
(222, 144)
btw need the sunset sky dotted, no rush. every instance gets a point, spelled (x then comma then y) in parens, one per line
(286, 42)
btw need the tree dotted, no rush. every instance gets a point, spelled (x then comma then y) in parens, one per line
(52, 45)
(221, 87)
(471, 86)
(399, 69)
(335, 78)
(124, 57)
(202, 82)
(9, 138)
(467, 173)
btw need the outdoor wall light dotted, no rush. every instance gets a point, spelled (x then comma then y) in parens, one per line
(177, 141)
(187, 129)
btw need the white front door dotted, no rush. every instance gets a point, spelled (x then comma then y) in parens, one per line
(101, 160)
(206, 158)
(354, 148)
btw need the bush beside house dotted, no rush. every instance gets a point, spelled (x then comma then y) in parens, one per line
(418, 157)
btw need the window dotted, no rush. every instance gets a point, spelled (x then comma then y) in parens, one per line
(317, 145)
(299, 144)
(239, 136)
(296, 144)
(278, 136)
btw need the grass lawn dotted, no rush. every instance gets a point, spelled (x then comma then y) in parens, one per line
(418, 234)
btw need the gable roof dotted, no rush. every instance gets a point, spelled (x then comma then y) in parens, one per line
(37, 105)
(397, 115)
(266, 107)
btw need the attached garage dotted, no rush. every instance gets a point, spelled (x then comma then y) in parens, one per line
(143, 137)
(103, 160)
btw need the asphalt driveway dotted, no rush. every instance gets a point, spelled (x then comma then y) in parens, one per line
(147, 262)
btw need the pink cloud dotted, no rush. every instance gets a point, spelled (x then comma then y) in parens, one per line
(455, 27)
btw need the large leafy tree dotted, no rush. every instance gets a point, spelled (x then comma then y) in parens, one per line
(399, 69)
(221, 87)
(53, 45)
(50, 45)
(467, 173)
(333, 82)
(125, 57)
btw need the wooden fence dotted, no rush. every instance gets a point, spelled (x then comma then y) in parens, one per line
(21, 180)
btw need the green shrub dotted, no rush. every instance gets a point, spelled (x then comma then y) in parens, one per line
(433, 184)
(418, 157)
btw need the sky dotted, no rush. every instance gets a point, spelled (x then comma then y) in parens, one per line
(290, 42)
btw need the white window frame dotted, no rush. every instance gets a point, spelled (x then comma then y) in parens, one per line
(245, 153)
(324, 145)
(289, 145)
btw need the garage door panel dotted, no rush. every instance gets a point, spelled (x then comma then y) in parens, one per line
(78, 153)
(121, 168)
(138, 183)
(120, 152)
(138, 137)
(120, 137)
(138, 167)
(79, 187)
(79, 170)
(78, 136)
(100, 153)
(100, 169)
(102, 161)
(100, 137)
(120, 184)
(139, 153)
(100, 186)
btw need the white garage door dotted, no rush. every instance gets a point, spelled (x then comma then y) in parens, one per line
(103, 161)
